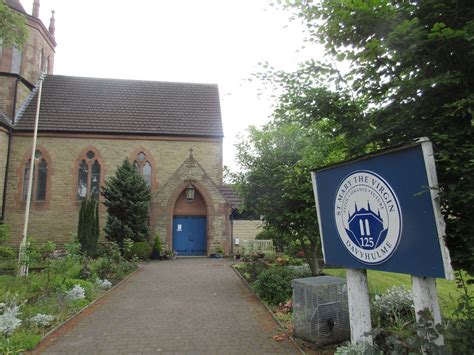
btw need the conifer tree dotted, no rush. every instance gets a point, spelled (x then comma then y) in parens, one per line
(127, 198)
(88, 226)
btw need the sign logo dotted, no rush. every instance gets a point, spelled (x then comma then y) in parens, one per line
(368, 217)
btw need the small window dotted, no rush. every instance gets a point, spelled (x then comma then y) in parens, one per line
(42, 60)
(40, 178)
(88, 177)
(143, 166)
(82, 180)
(16, 61)
(95, 179)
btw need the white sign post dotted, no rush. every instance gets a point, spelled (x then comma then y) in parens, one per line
(359, 306)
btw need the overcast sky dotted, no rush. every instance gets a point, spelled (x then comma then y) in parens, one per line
(206, 41)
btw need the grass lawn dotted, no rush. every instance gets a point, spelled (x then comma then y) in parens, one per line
(379, 281)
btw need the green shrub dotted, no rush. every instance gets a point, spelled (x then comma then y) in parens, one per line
(157, 246)
(127, 198)
(461, 329)
(251, 270)
(88, 287)
(88, 226)
(295, 261)
(19, 342)
(142, 250)
(4, 233)
(270, 256)
(6, 253)
(273, 285)
(394, 308)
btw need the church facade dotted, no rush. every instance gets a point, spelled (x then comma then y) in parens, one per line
(171, 132)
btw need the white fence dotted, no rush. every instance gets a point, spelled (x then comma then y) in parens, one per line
(259, 246)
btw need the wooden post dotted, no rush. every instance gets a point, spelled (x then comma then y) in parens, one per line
(425, 297)
(359, 305)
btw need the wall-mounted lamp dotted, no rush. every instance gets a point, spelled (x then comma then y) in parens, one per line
(190, 191)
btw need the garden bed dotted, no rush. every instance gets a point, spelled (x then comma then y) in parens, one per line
(393, 313)
(31, 307)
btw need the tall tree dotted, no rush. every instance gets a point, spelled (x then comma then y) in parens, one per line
(127, 198)
(277, 160)
(412, 63)
(13, 30)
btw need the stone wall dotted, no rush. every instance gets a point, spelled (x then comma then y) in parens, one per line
(247, 229)
(56, 218)
(218, 209)
(38, 44)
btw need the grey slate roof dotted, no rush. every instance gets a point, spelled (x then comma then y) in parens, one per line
(15, 4)
(229, 193)
(4, 121)
(94, 105)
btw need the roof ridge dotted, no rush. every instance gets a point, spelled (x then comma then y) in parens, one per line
(98, 105)
(132, 80)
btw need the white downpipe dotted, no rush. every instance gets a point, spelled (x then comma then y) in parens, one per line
(22, 265)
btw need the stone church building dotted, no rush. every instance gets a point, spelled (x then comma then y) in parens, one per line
(171, 132)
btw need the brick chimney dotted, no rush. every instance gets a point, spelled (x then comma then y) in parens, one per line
(52, 27)
(36, 8)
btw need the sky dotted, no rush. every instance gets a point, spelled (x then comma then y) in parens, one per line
(197, 41)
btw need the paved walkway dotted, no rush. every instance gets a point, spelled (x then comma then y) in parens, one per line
(181, 306)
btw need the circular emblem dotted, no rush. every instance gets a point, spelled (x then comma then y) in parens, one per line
(368, 217)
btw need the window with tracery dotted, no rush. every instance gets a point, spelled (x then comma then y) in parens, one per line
(88, 177)
(143, 166)
(40, 178)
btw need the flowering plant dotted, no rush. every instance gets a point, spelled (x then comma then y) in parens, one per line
(76, 293)
(9, 320)
(395, 306)
(42, 320)
(103, 284)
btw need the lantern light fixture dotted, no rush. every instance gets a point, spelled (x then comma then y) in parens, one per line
(190, 191)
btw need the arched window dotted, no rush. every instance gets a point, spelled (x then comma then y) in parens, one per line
(143, 166)
(88, 177)
(16, 60)
(40, 178)
(42, 60)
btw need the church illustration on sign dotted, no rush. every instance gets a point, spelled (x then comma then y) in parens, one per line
(366, 228)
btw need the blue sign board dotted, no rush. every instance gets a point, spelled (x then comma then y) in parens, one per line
(379, 212)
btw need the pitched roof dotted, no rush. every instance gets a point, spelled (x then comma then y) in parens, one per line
(15, 4)
(229, 193)
(94, 105)
(4, 121)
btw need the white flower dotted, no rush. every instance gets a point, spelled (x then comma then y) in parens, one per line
(76, 293)
(42, 320)
(395, 299)
(9, 320)
(103, 284)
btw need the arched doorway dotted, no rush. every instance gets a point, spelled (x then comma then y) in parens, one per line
(190, 226)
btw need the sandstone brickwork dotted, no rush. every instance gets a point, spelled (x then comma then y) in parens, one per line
(37, 56)
(247, 229)
(218, 209)
(56, 218)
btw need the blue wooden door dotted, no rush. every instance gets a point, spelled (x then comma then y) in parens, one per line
(189, 235)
